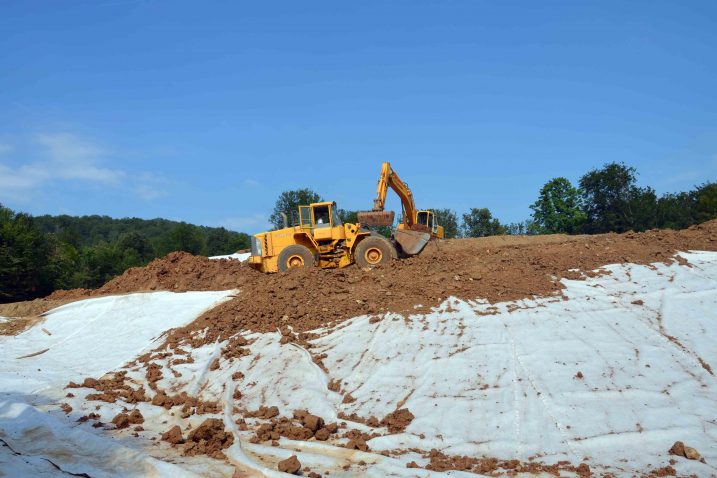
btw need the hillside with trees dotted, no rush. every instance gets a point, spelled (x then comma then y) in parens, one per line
(45, 253)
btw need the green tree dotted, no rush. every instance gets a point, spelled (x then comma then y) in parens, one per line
(706, 202)
(676, 211)
(184, 237)
(348, 217)
(449, 220)
(137, 242)
(25, 267)
(526, 227)
(613, 203)
(480, 223)
(100, 263)
(288, 202)
(558, 208)
(221, 241)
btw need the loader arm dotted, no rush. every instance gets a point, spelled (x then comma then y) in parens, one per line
(389, 178)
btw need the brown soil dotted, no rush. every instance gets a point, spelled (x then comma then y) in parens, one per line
(487, 465)
(291, 465)
(209, 438)
(397, 421)
(494, 268)
(173, 435)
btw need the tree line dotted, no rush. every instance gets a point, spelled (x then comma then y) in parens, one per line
(606, 199)
(46, 253)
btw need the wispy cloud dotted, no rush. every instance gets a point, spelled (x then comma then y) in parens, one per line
(250, 182)
(253, 222)
(66, 157)
(72, 157)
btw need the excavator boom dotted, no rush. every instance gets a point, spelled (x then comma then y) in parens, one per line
(379, 217)
(412, 235)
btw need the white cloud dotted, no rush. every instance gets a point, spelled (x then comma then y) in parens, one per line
(75, 158)
(253, 222)
(69, 157)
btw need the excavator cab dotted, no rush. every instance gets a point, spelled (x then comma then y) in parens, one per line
(428, 218)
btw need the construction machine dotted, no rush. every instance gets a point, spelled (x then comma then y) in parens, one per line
(318, 238)
(416, 228)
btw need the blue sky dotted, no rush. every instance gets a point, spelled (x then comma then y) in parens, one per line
(206, 111)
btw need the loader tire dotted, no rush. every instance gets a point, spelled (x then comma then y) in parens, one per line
(296, 256)
(373, 251)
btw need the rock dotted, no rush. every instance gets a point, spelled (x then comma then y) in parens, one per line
(291, 465)
(691, 453)
(678, 448)
(135, 417)
(312, 422)
(322, 434)
(121, 420)
(173, 435)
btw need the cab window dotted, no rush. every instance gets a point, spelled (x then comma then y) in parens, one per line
(305, 212)
(336, 220)
(321, 216)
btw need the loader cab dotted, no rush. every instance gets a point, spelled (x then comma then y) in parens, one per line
(320, 219)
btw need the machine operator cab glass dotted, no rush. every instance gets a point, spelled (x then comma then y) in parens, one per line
(320, 218)
(427, 218)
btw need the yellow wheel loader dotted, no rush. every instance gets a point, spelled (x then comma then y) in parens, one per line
(318, 237)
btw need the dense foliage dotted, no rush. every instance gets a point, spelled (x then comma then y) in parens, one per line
(41, 254)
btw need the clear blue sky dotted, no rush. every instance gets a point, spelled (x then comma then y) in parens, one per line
(206, 111)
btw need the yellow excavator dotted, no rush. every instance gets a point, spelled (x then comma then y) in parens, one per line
(318, 237)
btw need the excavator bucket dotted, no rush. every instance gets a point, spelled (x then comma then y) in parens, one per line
(376, 218)
(412, 242)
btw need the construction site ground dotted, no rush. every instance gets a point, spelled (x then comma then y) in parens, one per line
(502, 356)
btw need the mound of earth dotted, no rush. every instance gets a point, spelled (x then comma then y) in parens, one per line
(496, 269)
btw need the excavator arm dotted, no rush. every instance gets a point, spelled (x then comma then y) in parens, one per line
(410, 235)
(389, 178)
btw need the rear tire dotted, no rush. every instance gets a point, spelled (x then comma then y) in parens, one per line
(295, 256)
(373, 251)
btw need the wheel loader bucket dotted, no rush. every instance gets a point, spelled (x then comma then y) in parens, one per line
(412, 242)
(375, 218)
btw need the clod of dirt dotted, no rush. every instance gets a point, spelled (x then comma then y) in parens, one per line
(135, 417)
(66, 408)
(121, 420)
(173, 435)
(579, 375)
(291, 465)
(397, 421)
(680, 449)
(209, 438)
(583, 470)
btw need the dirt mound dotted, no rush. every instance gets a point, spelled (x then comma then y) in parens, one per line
(495, 268)
(180, 272)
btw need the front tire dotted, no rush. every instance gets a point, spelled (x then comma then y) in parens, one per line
(374, 251)
(295, 256)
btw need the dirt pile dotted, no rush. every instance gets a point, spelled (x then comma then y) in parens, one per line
(177, 272)
(495, 268)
